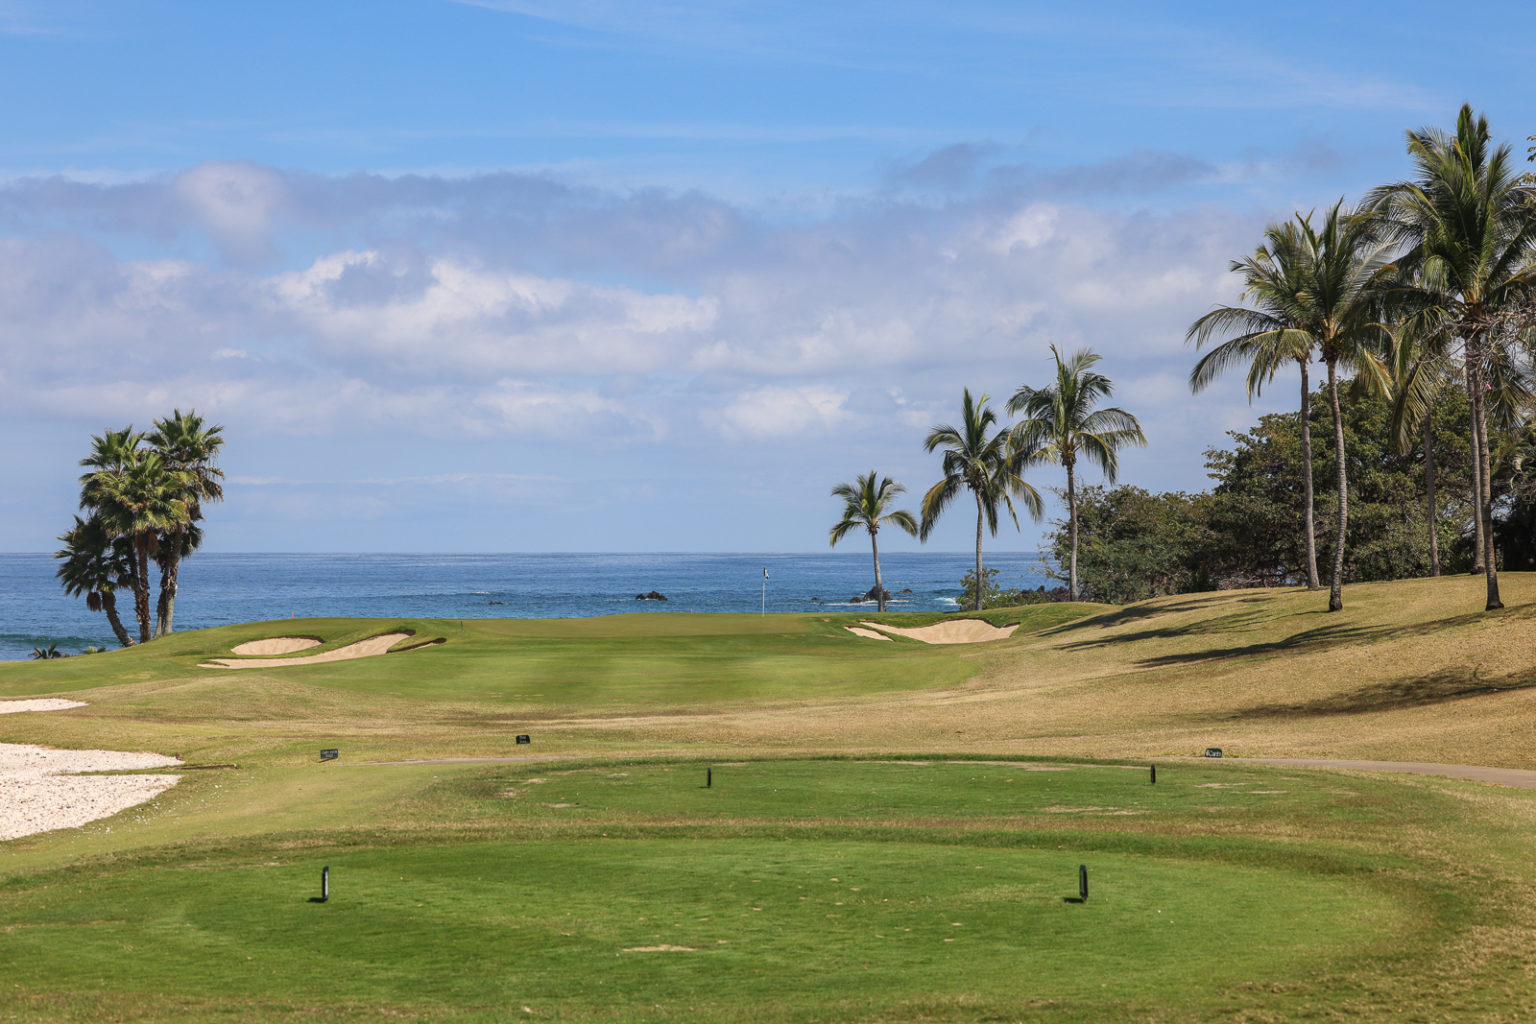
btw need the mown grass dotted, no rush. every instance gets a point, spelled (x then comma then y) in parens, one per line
(466, 891)
(798, 890)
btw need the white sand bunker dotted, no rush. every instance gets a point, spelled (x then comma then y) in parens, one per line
(11, 707)
(867, 634)
(955, 631)
(276, 645)
(371, 647)
(40, 792)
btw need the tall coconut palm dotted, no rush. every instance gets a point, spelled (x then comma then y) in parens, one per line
(986, 463)
(1470, 242)
(1421, 365)
(1342, 277)
(867, 503)
(96, 563)
(140, 499)
(189, 447)
(1266, 339)
(1061, 425)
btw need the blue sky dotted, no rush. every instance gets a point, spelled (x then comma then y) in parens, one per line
(538, 276)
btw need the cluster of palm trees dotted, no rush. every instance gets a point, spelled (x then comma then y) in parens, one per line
(1059, 424)
(1427, 280)
(142, 496)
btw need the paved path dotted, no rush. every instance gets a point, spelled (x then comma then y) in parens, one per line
(1520, 778)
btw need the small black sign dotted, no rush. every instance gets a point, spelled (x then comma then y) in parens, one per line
(1212, 751)
(329, 754)
(524, 739)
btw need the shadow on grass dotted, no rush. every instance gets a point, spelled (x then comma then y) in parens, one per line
(1319, 638)
(1330, 632)
(1147, 610)
(1435, 688)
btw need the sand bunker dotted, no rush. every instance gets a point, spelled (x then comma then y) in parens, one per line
(10, 707)
(867, 634)
(276, 645)
(955, 631)
(40, 792)
(371, 647)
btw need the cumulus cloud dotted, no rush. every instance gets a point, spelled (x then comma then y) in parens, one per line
(236, 203)
(513, 306)
(432, 315)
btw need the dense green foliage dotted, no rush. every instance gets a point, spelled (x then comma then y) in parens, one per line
(143, 495)
(1248, 530)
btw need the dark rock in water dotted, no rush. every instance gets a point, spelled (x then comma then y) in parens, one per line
(907, 590)
(872, 595)
(817, 600)
(495, 602)
(652, 596)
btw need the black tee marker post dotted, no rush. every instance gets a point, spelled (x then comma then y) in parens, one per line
(1082, 883)
(1154, 774)
(325, 884)
(709, 778)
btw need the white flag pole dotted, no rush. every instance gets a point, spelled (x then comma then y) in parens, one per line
(765, 591)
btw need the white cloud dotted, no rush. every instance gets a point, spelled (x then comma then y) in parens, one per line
(444, 314)
(782, 412)
(511, 307)
(236, 203)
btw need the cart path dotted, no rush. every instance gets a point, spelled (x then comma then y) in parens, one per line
(1520, 778)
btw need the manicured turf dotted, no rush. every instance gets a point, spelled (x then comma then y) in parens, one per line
(467, 891)
(796, 890)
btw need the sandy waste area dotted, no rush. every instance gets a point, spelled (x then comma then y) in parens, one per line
(12, 707)
(957, 631)
(41, 788)
(371, 647)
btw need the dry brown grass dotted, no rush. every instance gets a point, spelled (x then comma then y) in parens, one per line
(1411, 670)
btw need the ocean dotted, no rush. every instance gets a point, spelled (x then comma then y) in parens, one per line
(220, 589)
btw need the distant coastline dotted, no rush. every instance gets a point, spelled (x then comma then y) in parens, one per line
(220, 589)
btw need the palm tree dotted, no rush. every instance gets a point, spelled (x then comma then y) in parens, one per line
(189, 448)
(1060, 424)
(1266, 339)
(987, 464)
(1421, 366)
(1466, 220)
(1341, 276)
(96, 563)
(138, 498)
(865, 503)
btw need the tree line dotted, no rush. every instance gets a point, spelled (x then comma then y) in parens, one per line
(1428, 281)
(1418, 305)
(142, 499)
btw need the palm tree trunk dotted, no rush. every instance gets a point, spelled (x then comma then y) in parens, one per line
(1336, 585)
(1306, 462)
(109, 605)
(981, 585)
(1484, 486)
(879, 587)
(141, 592)
(1072, 523)
(165, 608)
(1431, 512)
(1477, 462)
